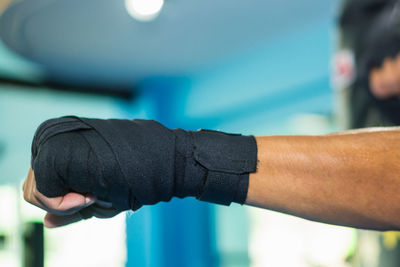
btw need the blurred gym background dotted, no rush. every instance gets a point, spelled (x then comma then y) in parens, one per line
(254, 67)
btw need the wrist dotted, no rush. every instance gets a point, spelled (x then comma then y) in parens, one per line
(214, 166)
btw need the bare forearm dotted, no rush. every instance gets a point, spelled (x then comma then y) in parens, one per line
(349, 179)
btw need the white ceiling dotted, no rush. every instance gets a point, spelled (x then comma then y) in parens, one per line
(96, 40)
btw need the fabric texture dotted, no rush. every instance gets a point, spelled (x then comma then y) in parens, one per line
(131, 163)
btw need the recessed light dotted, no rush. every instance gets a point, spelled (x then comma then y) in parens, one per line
(144, 10)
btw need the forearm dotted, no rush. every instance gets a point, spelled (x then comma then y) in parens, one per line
(348, 179)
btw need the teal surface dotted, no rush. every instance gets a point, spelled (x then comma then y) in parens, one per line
(14, 66)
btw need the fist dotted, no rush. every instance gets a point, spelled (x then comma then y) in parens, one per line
(385, 80)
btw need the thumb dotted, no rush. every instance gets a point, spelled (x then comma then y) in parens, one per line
(68, 204)
(75, 201)
(66, 212)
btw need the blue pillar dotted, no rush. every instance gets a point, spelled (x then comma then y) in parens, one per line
(181, 232)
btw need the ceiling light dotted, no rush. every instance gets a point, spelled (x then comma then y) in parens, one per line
(144, 10)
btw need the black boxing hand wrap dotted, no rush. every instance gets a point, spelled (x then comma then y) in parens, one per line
(140, 162)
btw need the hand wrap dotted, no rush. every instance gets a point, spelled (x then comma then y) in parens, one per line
(140, 162)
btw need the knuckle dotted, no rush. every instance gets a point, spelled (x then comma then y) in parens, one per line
(26, 195)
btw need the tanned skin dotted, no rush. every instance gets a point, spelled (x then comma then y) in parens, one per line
(350, 178)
